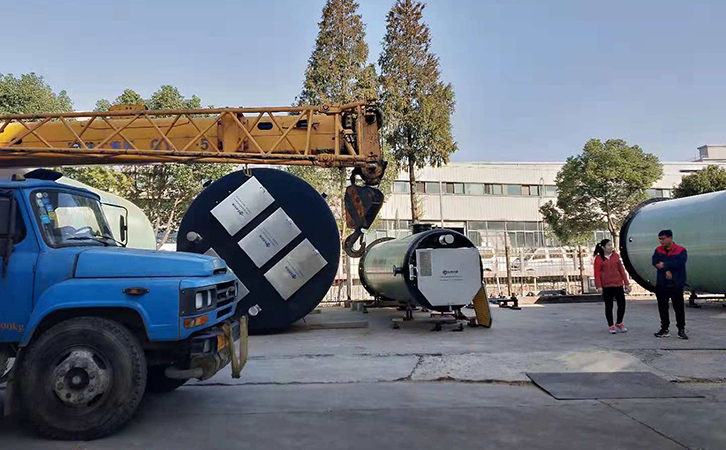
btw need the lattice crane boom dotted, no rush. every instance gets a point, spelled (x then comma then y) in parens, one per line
(327, 136)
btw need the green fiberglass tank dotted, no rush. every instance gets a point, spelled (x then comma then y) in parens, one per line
(698, 224)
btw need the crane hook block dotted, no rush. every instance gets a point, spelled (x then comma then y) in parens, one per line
(362, 204)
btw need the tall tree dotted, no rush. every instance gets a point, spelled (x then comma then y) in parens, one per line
(338, 72)
(417, 105)
(599, 187)
(710, 179)
(338, 69)
(30, 94)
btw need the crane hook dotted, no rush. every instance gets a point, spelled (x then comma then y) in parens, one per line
(350, 242)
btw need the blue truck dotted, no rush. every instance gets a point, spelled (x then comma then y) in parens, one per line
(87, 326)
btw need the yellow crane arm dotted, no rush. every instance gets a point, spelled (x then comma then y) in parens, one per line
(327, 136)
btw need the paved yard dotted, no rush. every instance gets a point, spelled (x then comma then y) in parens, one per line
(376, 387)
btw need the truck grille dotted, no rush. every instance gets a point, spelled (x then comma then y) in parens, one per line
(226, 293)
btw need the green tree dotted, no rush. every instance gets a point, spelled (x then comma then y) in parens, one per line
(105, 178)
(599, 187)
(417, 105)
(169, 97)
(30, 94)
(710, 179)
(128, 97)
(337, 70)
(163, 191)
(337, 73)
(567, 230)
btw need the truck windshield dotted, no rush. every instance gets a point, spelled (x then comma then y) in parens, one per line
(68, 219)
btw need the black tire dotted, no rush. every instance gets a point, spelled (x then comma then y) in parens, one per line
(160, 383)
(116, 354)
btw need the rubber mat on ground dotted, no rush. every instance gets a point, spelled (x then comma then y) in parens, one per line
(606, 385)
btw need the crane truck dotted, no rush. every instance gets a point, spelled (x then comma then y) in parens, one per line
(90, 325)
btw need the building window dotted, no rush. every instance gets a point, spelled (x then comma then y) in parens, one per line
(420, 187)
(515, 226)
(454, 188)
(475, 237)
(474, 189)
(531, 191)
(497, 189)
(477, 225)
(514, 189)
(433, 187)
(401, 187)
(659, 193)
(550, 191)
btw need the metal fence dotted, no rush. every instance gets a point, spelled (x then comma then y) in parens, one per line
(531, 270)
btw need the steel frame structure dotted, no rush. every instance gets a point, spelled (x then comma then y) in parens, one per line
(327, 136)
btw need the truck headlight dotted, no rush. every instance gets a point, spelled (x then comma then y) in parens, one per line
(194, 301)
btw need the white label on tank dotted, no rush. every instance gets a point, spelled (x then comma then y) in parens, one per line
(449, 276)
(295, 269)
(242, 205)
(269, 237)
(241, 288)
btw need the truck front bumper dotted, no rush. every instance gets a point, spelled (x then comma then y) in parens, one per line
(212, 350)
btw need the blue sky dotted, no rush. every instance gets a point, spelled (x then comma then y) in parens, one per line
(534, 80)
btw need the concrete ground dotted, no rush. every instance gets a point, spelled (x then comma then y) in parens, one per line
(375, 387)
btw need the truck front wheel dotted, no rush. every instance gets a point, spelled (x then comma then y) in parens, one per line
(82, 379)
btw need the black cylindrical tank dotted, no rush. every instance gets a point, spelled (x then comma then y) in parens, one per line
(438, 269)
(276, 233)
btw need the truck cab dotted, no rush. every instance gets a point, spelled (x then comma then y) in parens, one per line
(90, 325)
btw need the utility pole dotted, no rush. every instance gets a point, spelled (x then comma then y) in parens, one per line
(522, 271)
(582, 269)
(509, 268)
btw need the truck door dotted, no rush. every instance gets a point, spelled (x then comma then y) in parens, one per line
(19, 250)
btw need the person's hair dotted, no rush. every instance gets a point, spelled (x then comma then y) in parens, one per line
(666, 233)
(600, 248)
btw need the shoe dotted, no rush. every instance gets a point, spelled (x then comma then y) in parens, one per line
(612, 330)
(682, 334)
(662, 333)
(621, 327)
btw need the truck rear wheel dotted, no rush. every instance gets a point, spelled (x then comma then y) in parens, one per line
(82, 379)
(158, 382)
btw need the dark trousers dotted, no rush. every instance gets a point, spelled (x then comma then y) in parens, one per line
(674, 294)
(614, 293)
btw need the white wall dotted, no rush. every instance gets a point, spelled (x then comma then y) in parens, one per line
(492, 207)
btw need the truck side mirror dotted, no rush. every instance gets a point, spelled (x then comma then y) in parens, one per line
(123, 228)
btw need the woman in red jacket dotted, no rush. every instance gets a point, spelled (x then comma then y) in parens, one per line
(612, 282)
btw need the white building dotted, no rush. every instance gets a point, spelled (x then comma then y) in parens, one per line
(485, 199)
